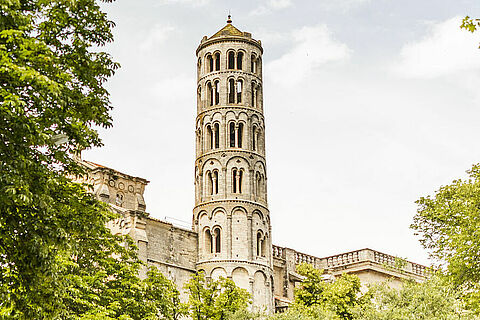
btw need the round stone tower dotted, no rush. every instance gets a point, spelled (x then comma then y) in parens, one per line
(231, 214)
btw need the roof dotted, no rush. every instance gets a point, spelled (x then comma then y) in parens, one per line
(228, 30)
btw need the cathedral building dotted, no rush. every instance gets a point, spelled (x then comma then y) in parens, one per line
(231, 231)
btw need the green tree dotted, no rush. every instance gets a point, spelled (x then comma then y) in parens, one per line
(162, 297)
(448, 224)
(321, 299)
(57, 258)
(431, 300)
(214, 299)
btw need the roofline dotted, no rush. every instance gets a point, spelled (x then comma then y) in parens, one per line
(99, 167)
(206, 43)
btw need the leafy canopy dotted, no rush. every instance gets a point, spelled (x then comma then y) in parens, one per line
(338, 297)
(57, 258)
(215, 299)
(448, 223)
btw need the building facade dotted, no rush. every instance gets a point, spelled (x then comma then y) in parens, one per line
(231, 232)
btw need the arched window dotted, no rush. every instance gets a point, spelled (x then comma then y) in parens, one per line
(217, 92)
(263, 246)
(259, 243)
(254, 100)
(240, 135)
(240, 180)
(210, 94)
(210, 63)
(217, 61)
(210, 183)
(240, 60)
(237, 177)
(218, 243)
(216, 129)
(231, 60)
(199, 96)
(215, 182)
(258, 185)
(254, 138)
(199, 65)
(232, 134)
(231, 91)
(209, 138)
(208, 242)
(239, 91)
(253, 64)
(257, 96)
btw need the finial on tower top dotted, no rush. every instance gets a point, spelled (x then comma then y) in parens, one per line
(229, 19)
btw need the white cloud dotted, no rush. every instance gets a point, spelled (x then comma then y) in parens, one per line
(269, 6)
(314, 47)
(177, 89)
(279, 4)
(446, 50)
(195, 3)
(342, 5)
(157, 35)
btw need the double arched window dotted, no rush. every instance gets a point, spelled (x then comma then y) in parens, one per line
(261, 244)
(213, 136)
(235, 90)
(235, 60)
(213, 240)
(213, 62)
(237, 180)
(213, 93)
(235, 134)
(212, 182)
(255, 95)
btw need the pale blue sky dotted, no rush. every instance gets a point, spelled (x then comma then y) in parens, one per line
(369, 105)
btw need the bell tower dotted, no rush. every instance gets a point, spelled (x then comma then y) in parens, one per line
(231, 214)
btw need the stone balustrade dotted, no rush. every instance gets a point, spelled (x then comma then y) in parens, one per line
(304, 258)
(277, 252)
(354, 257)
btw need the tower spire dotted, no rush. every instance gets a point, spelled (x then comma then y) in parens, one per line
(229, 20)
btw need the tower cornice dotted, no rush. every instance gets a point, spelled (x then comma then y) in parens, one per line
(238, 72)
(207, 203)
(240, 151)
(230, 107)
(211, 41)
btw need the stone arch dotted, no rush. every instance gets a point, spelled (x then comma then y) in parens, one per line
(238, 175)
(206, 241)
(259, 285)
(212, 177)
(230, 59)
(241, 278)
(216, 59)
(239, 234)
(240, 59)
(217, 273)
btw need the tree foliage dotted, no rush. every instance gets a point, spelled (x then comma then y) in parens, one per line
(215, 299)
(431, 300)
(448, 224)
(57, 258)
(339, 297)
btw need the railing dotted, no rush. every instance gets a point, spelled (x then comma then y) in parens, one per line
(419, 269)
(342, 259)
(304, 258)
(277, 252)
(348, 258)
(383, 258)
